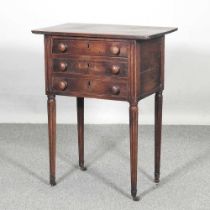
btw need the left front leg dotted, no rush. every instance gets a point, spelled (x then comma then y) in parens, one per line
(51, 105)
(133, 113)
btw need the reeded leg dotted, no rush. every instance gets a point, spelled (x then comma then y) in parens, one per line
(80, 129)
(134, 148)
(51, 105)
(158, 126)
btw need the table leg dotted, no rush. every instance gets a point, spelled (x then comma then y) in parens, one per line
(80, 130)
(158, 126)
(51, 105)
(133, 115)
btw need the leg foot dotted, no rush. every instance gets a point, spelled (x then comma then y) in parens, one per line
(133, 193)
(82, 167)
(136, 198)
(157, 178)
(52, 181)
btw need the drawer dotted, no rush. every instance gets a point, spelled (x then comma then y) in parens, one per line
(90, 87)
(90, 47)
(112, 67)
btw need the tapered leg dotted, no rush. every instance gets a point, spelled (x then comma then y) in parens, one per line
(133, 148)
(52, 136)
(80, 129)
(158, 126)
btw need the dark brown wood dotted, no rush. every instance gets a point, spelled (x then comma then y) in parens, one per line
(75, 46)
(115, 90)
(106, 31)
(115, 69)
(51, 105)
(90, 87)
(47, 47)
(91, 66)
(123, 63)
(61, 47)
(60, 85)
(80, 130)
(133, 148)
(162, 62)
(150, 66)
(134, 87)
(115, 50)
(62, 66)
(158, 126)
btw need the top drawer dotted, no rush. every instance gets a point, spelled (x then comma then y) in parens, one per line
(90, 47)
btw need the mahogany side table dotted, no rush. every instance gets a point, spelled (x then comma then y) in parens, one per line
(115, 62)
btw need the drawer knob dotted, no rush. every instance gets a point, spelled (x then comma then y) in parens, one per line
(61, 85)
(115, 69)
(115, 90)
(62, 66)
(62, 47)
(115, 50)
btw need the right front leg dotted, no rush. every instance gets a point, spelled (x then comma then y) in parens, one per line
(51, 105)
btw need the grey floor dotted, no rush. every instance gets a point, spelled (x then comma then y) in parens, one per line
(185, 171)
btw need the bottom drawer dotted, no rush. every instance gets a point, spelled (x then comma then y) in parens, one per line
(91, 88)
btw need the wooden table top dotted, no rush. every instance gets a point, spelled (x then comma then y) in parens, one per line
(106, 31)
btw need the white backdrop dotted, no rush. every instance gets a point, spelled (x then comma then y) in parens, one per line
(187, 63)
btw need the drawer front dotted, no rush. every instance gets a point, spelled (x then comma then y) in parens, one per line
(91, 66)
(90, 87)
(90, 47)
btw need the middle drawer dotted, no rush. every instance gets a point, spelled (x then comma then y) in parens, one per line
(113, 67)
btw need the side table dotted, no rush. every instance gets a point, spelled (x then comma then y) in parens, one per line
(115, 62)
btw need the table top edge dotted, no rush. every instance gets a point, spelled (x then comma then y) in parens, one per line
(55, 31)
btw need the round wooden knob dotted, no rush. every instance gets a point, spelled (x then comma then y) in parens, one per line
(115, 50)
(115, 90)
(115, 69)
(61, 85)
(62, 47)
(62, 66)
